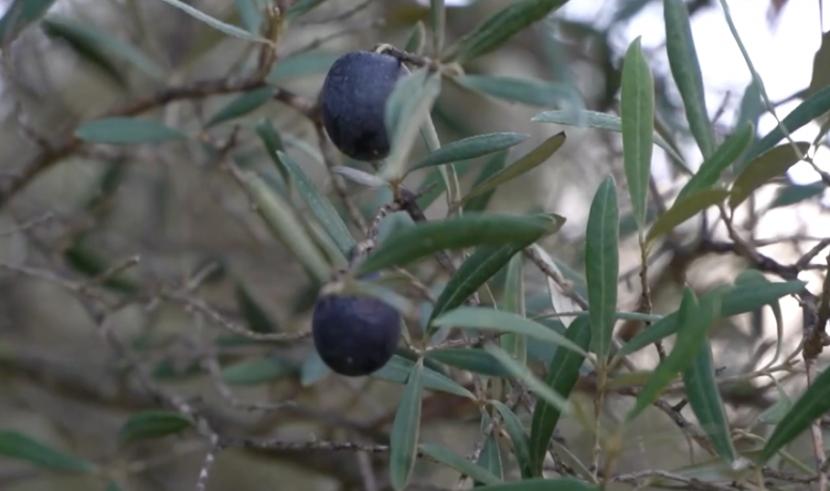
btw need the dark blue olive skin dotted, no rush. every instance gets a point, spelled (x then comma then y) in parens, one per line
(353, 102)
(355, 335)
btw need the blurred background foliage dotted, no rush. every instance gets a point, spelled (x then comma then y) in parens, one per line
(148, 243)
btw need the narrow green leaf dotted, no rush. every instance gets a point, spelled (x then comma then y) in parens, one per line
(87, 50)
(763, 168)
(665, 327)
(302, 7)
(749, 296)
(223, 27)
(796, 193)
(448, 457)
(563, 484)
(473, 273)
(417, 39)
(103, 43)
(470, 148)
(533, 92)
(241, 105)
(273, 143)
(255, 316)
(469, 230)
(437, 21)
(20, 14)
(599, 121)
(821, 66)
(494, 165)
(490, 458)
(694, 322)
(256, 371)
(487, 319)
(126, 131)
(685, 69)
(16, 445)
(280, 218)
(405, 428)
(319, 205)
(398, 368)
(301, 65)
(407, 110)
(250, 12)
(152, 424)
(815, 105)
(563, 373)
(521, 447)
(500, 27)
(523, 374)
(529, 161)
(811, 405)
(513, 300)
(684, 209)
(471, 359)
(703, 395)
(637, 114)
(602, 265)
(728, 152)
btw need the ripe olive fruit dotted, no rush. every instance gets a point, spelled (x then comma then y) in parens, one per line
(355, 335)
(353, 102)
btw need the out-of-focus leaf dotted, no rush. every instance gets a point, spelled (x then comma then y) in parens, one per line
(398, 368)
(811, 405)
(407, 110)
(255, 317)
(101, 44)
(521, 447)
(563, 372)
(437, 21)
(796, 193)
(751, 106)
(417, 39)
(87, 261)
(684, 209)
(532, 92)
(152, 424)
(241, 105)
(500, 27)
(301, 65)
(523, 374)
(775, 413)
(358, 176)
(602, 265)
(815, 105)
(319, 205)
(448, 457)
(494, 165)
(470, 148)
(301, 7)
(405, 429)
(712, 168)
(471, 359)
(487, 319)
(313, 369)
(126, 131)
(20, 14)
(280, 217)
(562, 484)
(469, 230)
(685, 69)
(490, 458)
(703, 395)
(250, 12)
(474, 272)
(763, 168)
(513, 300)
(224, 27)
(256, 371)
(599, 121)
(273, 143)
(821, 66)
(529, 161)
(18, 446)
(694, 321)
(665, 327)
(637, 114)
